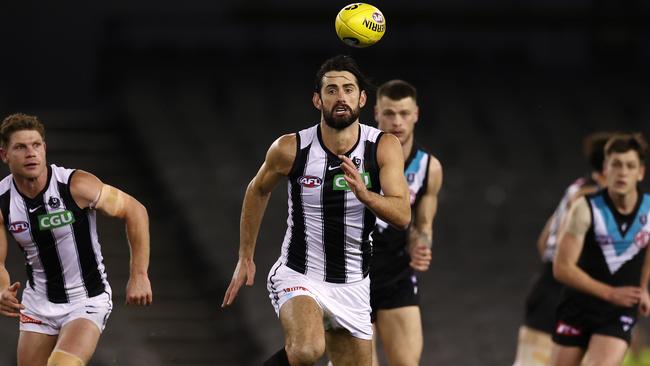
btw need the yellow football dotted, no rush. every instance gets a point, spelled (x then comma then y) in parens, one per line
(360, 25)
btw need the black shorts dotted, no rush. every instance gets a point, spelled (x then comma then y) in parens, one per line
(398, 294)
(577, 322)
(542, 301)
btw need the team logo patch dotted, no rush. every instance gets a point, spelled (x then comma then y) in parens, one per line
(567, 330)
(641, 239)
(643, 219)
(341, 185)
(55, 220)
(27, 320)
(18, 227)
(54, 202)
(357, 161)
(310, 181)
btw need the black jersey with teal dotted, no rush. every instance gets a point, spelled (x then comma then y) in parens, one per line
(614, 247)
(390, 259)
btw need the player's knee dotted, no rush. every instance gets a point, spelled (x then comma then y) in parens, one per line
(62, 358)
(305, 353)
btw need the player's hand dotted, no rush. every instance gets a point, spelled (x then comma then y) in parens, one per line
(9, 304)
(420, 258)
(138, 290)
(644, 304)
(353, 178)
(244, 273)
(626, 296)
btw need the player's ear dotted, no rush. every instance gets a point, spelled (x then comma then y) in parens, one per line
(417, 114)
(3, 154)
(363, 98)
(641, 171)
(318, 103)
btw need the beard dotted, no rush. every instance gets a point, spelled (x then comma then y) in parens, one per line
(341, 123)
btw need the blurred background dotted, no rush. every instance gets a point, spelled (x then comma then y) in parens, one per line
(177, 103)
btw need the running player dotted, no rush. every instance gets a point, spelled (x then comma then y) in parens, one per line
(50, 211)
(336, 169)
(534, 343)
(601, 258)
(398, 254)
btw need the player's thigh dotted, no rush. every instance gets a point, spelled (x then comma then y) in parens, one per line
(34, 348)
(79, 337)
(605, 350)
(345, 350)
(566, 356)
(375, 355)
(533, 347)
(302, 322)
(400, 331)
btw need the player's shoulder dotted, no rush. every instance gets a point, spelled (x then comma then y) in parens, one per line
(434, 163)
(5, 184)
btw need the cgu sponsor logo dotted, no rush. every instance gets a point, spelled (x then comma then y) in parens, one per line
(310, 181)
(340, 184)
(55, 220)
(18, 227)
(379, 28)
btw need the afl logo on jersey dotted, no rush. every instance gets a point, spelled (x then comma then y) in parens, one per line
(310, 181)
(18, 227)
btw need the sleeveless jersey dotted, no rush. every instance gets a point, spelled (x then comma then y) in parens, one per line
(58, 239)
(558, 216)
(390, 245)
(328, 228)
(615, 245)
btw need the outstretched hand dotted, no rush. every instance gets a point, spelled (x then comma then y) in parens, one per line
(244, 273)
(9, 304)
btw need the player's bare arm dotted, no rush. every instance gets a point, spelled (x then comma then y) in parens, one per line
(421, 231)
(566, 270)
(9, 304)
(276, 166)
(644, 303)
(393, 207)
(88, 191)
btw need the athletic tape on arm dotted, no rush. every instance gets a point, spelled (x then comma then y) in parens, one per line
(111, 200)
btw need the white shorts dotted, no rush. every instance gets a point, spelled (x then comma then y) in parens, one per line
(345, 306)
(43, 316)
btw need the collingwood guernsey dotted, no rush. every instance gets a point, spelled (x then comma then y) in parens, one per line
(52, 231)
(328, 235)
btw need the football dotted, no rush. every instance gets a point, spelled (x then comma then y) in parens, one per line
(360, 25)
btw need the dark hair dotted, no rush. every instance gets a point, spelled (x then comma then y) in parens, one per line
(397, 90)
(341, 63)
(19, 122)
(624, 142)
(593, 147)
